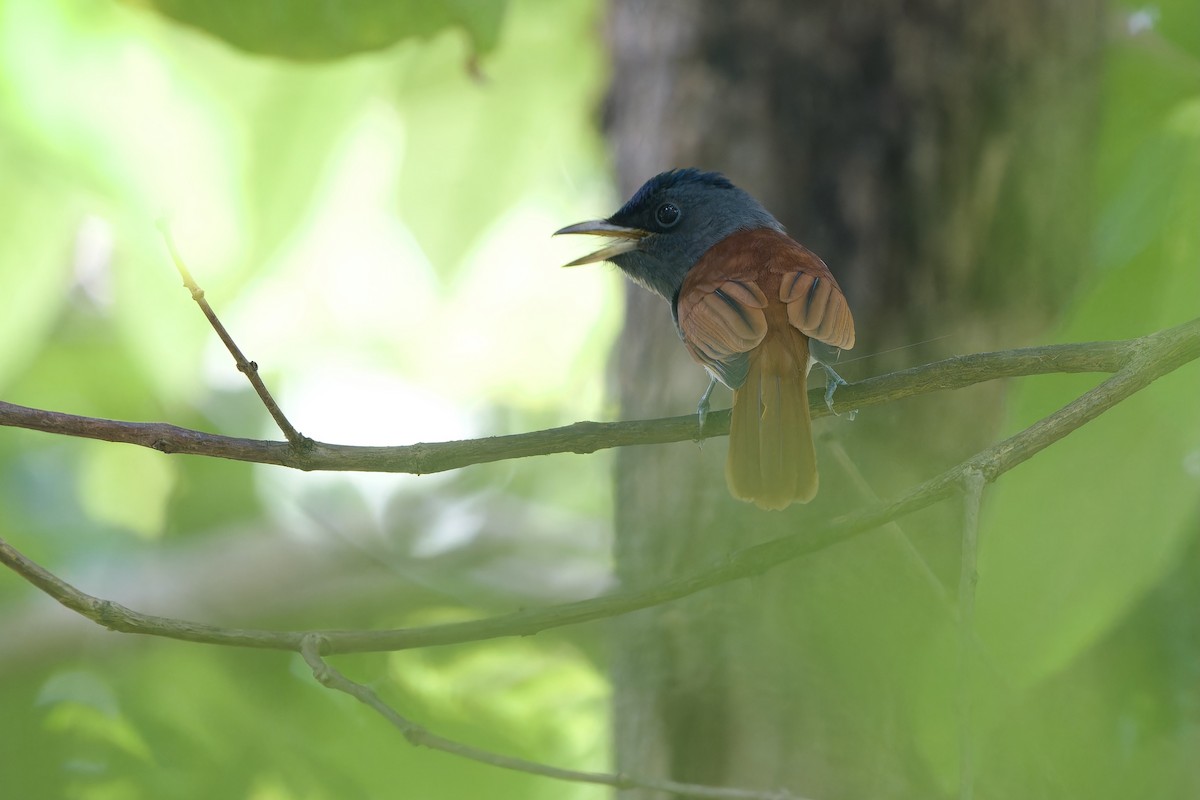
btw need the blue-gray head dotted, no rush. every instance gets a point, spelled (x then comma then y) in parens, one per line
(670, 223)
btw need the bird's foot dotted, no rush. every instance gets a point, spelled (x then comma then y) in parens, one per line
(832, 382)
(702, 410)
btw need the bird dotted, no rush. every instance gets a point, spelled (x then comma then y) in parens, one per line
(746, 299)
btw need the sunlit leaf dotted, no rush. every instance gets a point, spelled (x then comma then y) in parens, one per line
(312, 30)
(127, 487)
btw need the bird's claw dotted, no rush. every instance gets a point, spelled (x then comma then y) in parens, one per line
(832, 382)
(702, 410)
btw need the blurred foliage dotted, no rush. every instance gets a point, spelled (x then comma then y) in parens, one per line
(1085, 679)
(375, 233)
(315, 30)
(374, 230)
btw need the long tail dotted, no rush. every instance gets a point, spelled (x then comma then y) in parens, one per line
(771, 461)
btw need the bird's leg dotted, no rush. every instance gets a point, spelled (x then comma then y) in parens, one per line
(702, 406)
(832, 382)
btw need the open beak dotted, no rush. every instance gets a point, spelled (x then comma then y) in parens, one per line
(624, 239)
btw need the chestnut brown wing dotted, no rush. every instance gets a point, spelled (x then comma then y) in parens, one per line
(815, 303)
(720, 322)
(722, 306)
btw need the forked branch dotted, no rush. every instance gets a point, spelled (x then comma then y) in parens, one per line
(584, 437)
(1134, 363)
(1147, 359)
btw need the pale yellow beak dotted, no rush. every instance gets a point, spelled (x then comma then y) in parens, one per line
(627, 239)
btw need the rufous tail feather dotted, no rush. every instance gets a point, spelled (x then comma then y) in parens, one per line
(771, 460)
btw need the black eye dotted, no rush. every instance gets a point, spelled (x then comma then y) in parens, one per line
(667, 214)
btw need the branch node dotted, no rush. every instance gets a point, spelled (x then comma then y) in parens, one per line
(315, 645)
(110, 614)
(301, 448)
(622, 782)
(244, 365)
(975, 477)
(312, 645)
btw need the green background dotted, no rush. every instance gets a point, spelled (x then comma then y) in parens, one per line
(370, 215)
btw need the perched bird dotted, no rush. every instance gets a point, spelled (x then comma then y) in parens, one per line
(745, 298)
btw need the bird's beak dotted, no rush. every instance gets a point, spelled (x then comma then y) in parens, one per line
(625, 239)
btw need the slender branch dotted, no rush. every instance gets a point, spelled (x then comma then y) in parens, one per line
(1135, 364)
(1150, 358)
(973, 483)
(588, 437)
(311, 646)
(244, 365)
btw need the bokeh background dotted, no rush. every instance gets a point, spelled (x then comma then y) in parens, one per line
(366, 194)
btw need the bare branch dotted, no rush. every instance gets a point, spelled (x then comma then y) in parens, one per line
(1135, 364)
(311, 646)
(973, 483)
(588, 437)
(244, 365)
(1146, 360)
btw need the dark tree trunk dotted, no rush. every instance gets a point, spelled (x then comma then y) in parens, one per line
(935, 154)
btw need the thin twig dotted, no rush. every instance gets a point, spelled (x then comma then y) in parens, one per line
(973, 483)
(244, 365)
(311, 646)
(859, 483)
(588, 437)
(1151, 357)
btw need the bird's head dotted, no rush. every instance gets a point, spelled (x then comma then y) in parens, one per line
(669, 224)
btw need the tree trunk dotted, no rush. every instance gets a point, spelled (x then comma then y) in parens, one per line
(935, 155)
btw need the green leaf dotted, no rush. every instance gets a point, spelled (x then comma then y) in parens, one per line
(36, 263)
(315, 30)
(1092, 522)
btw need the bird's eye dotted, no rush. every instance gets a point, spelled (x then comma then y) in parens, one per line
(667, 214)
